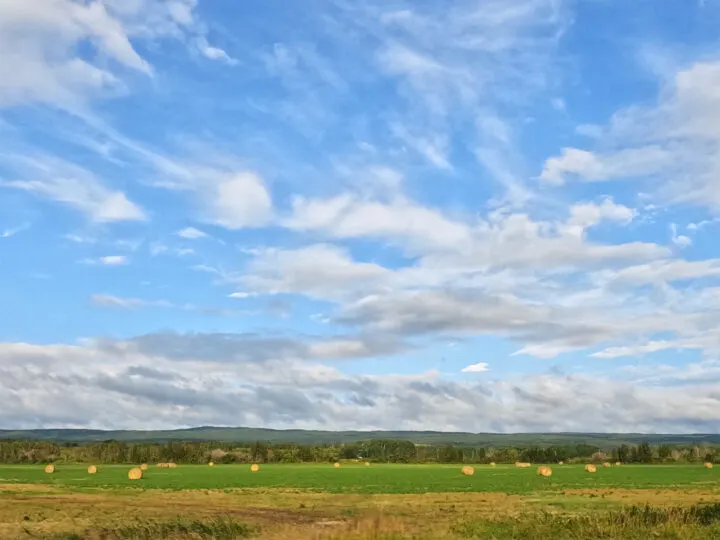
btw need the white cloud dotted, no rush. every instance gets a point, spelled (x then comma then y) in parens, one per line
(227, 379)
(113, 260)
(674, 143)
(480, 367)
(191, 233)
(39, 41)
(71, 185)
(679, 240)
(7, 233)
(239, 201)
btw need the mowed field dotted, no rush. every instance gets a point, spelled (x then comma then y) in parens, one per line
(354, 501)
(376, 479)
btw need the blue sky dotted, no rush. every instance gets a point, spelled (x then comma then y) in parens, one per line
(490, 215)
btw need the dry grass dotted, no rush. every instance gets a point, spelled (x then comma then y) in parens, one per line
(135, 474)
(544, 471)
(468, 471)
(50, 469)
(92, 469)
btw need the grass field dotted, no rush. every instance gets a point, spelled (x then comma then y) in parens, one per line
(377, 502)
(377, 479)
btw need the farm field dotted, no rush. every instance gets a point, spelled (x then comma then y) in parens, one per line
(380, 501)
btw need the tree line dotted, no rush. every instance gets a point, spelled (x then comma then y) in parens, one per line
(376, 450)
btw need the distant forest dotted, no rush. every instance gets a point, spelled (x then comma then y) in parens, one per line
(376, 450)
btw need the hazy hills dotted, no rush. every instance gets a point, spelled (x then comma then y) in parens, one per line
(243, 434)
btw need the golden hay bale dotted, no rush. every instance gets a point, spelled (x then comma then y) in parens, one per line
(561, 463)
(618, 463)
(135, 474)
(50, 469)
(468, 471)
(144, 467)
(254, 467)
(92, 469)
(606, 465)
(523, 465)
(492, 463)
(544, 471)
(336, 465)
(172, 465)
(367, 463)
(590, 468)
(211, 464)
(708, 465)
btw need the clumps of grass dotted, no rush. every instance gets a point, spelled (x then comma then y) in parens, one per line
(636, 522)
(216, 529)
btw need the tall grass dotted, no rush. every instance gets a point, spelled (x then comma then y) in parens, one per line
(215, 529)
(634, 523)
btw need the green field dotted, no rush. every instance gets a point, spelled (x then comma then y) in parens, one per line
(380, 502)
(376, 479)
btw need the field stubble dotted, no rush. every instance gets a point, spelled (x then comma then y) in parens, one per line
(380, 502)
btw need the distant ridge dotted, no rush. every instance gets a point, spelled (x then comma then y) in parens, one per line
(299, 436)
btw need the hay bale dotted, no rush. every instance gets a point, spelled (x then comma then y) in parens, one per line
(544, 471)
(336, 465)
(50, 469)
(367, 463)
(606, 465)
(468, 471)
(618, 463)
(92, 469)
(211, 464)
(135, 474)
(492, 463)
(144, 467)
(254, 467)
(171, 465)
(590, 468)
(523, 465)
(561, 463)
(708, 465)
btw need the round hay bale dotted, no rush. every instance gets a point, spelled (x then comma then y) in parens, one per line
(50, 469)
(468, 471)
(544, 471)
(708, 465)
(590, 468)
(144, 467)
(561, 463)
(367, 463)
(606, 465)
(618, 463)
(523, 465)
(135, 474)
(211, 464)
(172, 465)
(492, 463)
(336, 465)
(254, 467)
(92, 469)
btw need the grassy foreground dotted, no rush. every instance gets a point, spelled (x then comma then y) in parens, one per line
(379, 502)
